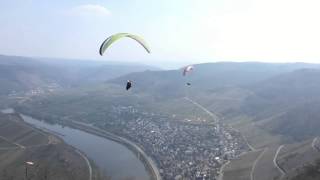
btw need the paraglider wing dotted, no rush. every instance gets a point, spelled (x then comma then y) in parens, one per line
(187, 69)
(110, 40)
(140, 41)
(106, 43)
(29, 163)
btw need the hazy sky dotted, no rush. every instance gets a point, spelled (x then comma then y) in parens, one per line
(178, 31)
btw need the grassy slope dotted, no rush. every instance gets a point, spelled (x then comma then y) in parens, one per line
(21, 74)
(241, 167)
(295, 156)
(265, 169)
(308, 172)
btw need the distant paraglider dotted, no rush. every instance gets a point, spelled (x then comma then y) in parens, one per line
(113, 38)
(129, 84)
(187, 70)
(28, 163)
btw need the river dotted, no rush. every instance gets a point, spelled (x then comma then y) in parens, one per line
(115, 159)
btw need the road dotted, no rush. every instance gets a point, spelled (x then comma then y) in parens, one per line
(276, 164)
(248, 144)
(19, 145)
(88, 163)
(221, 170)
(216, 118)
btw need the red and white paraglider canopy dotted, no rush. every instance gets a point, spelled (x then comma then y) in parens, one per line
(187, 69)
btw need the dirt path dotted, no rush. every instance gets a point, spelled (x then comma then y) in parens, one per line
(275, 162)
(222, 169)
(313, 144)
(9, 148)
(216, 118)
(249, 145)
(255, 163)
(19, 145)
(51, 140)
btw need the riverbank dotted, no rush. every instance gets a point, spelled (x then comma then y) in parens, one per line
(54, 159)
(146, 161)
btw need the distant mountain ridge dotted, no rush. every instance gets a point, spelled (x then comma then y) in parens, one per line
(208, 76)
(23, 73)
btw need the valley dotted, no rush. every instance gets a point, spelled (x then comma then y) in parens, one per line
(236, 120)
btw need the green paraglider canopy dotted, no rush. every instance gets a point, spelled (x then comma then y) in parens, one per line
(110, 40)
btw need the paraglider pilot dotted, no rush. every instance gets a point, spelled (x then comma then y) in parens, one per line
(128, 85)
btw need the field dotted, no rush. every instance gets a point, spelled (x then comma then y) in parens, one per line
(240, 168)
(256, 136)
(265, 168)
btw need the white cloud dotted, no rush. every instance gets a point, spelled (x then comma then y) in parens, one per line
(89, 10)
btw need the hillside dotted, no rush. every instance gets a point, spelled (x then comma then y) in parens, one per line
(308, 172)
(53, 159)
(287, 104)
(24, 74)
(206, 77)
